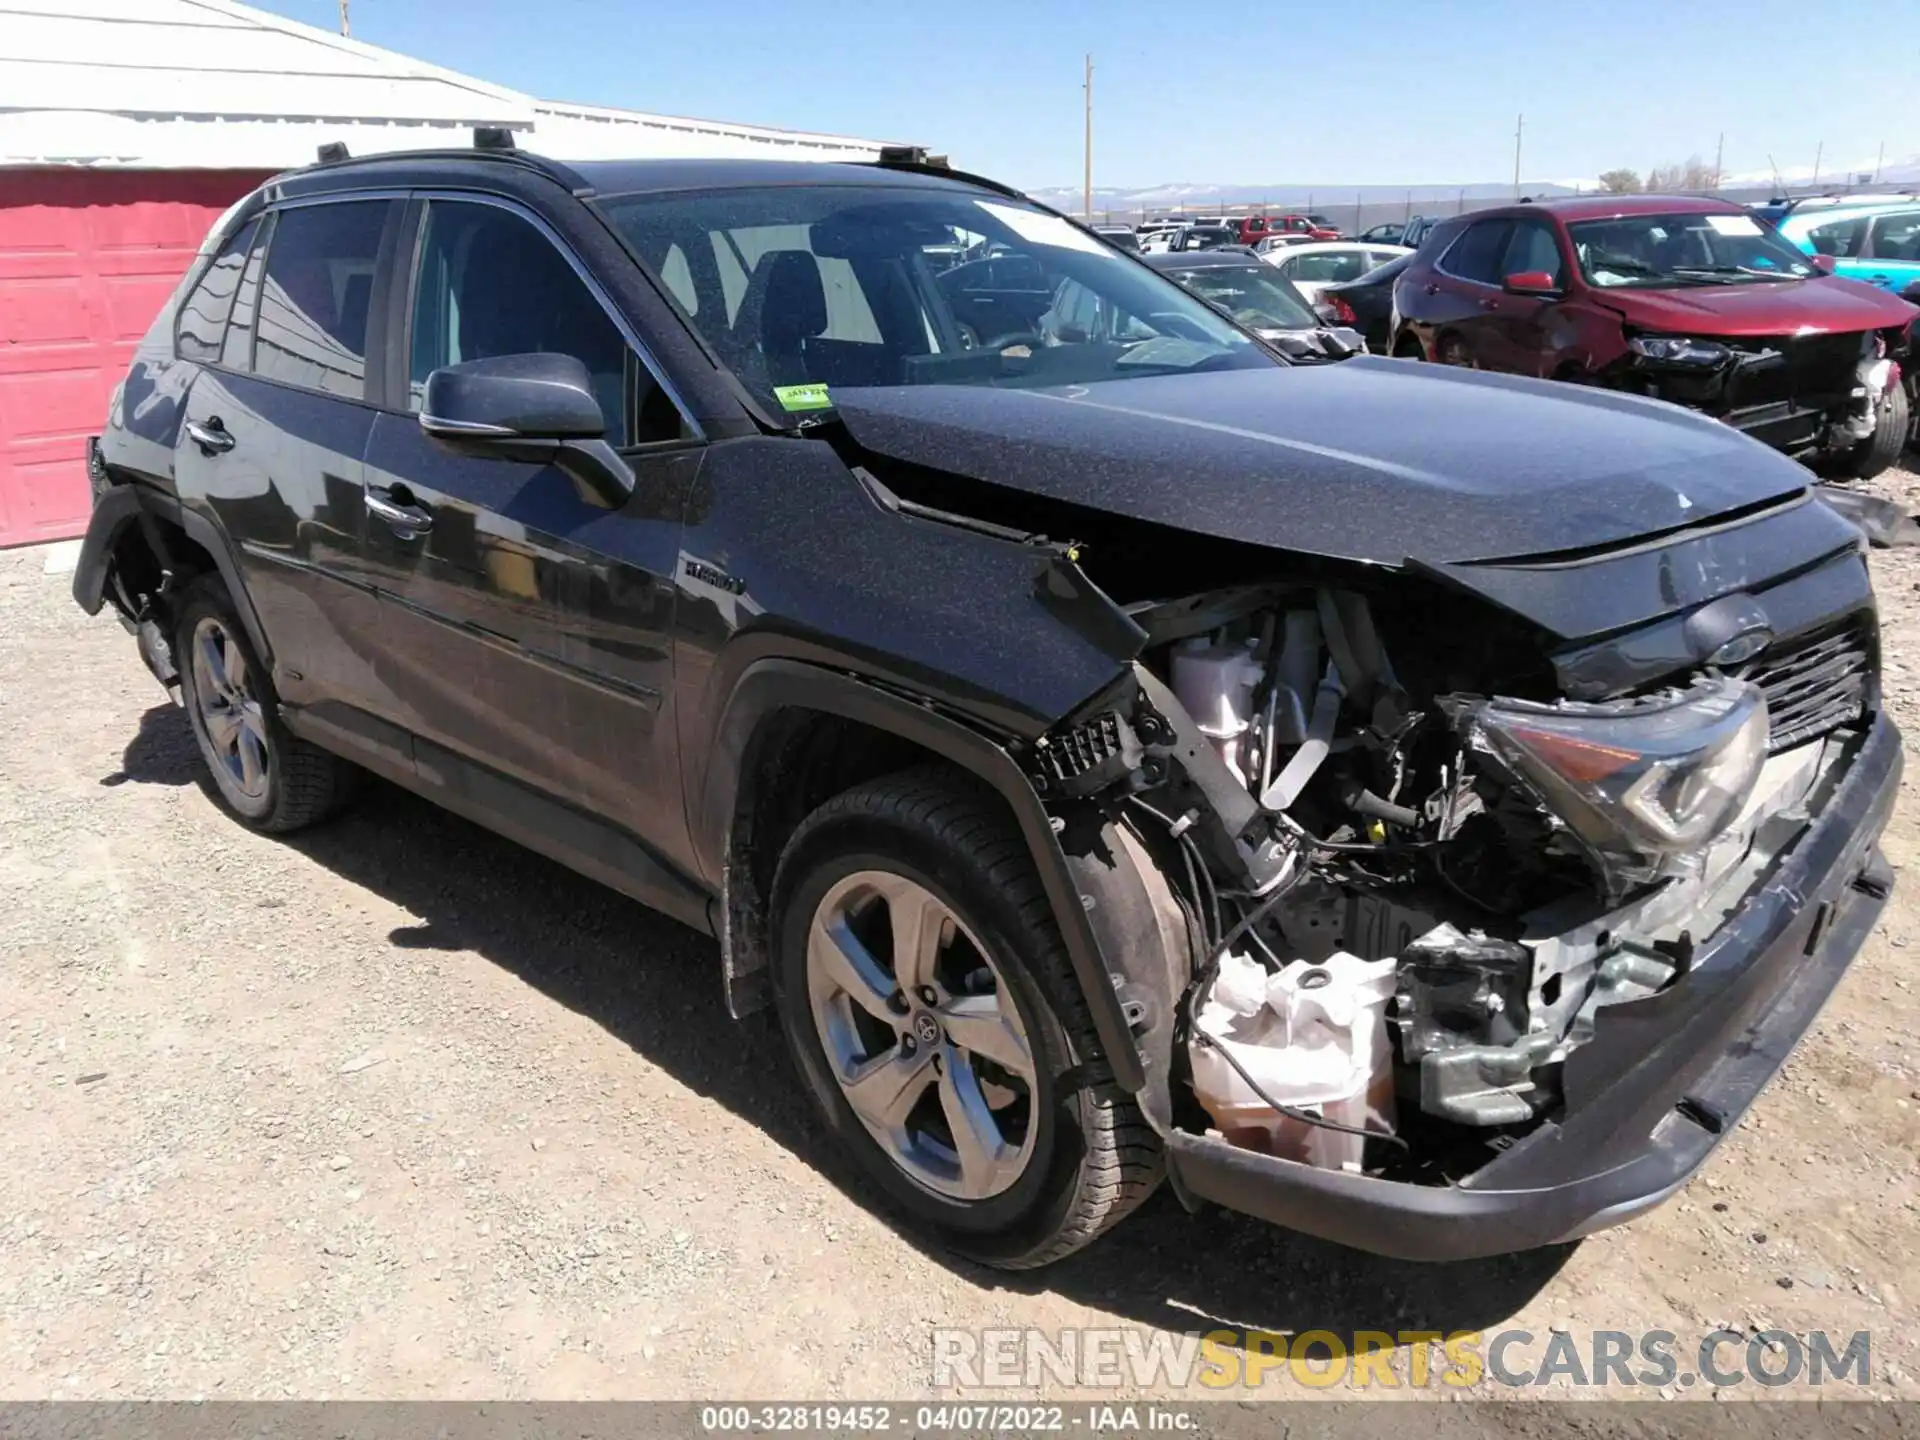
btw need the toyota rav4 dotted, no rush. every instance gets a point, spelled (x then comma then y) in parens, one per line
(1418, 807)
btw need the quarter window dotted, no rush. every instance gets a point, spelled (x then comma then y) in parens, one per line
(204, 316)
(317, 296)
(490, 284)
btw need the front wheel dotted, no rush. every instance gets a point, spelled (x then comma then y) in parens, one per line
(931, 1010)
(1880, 450)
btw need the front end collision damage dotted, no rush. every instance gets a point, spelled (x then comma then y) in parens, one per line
(1363, 812)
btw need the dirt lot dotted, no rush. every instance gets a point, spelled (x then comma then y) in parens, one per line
(398, 1109)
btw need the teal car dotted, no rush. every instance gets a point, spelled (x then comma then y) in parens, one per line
(1875, 239)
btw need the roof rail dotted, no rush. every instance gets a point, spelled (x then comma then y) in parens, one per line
(915, 159)
(489, 149)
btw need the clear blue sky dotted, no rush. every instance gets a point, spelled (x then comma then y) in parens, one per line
(1307, 91)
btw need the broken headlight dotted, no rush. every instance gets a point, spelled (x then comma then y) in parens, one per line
(1679, 350)
(1641, 782)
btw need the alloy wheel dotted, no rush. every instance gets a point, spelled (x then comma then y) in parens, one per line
(922, 1035)
(230, 709)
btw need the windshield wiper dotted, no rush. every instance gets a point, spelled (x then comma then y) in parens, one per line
(1730, 271)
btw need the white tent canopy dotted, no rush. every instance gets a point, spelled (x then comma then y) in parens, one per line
(172, 84)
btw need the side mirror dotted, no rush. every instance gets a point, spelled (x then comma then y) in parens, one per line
(1530, 282)
(1825, 264)
(534, 408)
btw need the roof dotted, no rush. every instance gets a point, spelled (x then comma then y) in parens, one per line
(169, 84)
(1607, 207)
(629, 177)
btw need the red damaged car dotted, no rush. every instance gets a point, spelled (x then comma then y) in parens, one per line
(1677, 297)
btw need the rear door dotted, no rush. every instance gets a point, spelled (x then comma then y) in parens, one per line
(275, 428)
(1463, 295)
(528, 623)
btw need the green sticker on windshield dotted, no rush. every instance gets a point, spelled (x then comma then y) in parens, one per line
(803, 397)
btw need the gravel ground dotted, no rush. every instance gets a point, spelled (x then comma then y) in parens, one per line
(396, 1109)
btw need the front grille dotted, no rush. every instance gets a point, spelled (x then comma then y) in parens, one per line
(1811, 368)
(1816, 681)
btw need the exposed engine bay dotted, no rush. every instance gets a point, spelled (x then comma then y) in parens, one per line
(1409, 896)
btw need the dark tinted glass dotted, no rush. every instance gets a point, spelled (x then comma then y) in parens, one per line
(204, 317)
(490, 284)
(1476, 254)
(319, 287)
(236, 350)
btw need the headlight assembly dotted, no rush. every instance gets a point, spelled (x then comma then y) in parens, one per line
(1643, 783)
(1679, 350)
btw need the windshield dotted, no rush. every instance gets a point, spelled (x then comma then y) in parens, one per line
(806, 290)
(1253, 295)
(1655, 251)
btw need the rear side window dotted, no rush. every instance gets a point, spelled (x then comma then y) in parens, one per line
(1476, 255)
(317, 294)
(1842, 239)
(203, 319)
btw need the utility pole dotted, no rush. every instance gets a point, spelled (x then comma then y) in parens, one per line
(1519, 129)
(346, 26)
(1719, 153)
(1878, 161)
(1089, 155)
(1818, 152)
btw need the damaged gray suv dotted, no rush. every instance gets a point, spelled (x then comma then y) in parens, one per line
(1415, 806)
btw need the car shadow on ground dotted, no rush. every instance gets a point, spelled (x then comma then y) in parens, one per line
(655, 986)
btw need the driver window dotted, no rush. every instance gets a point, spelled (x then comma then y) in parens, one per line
(490, 284)
(1533, 249)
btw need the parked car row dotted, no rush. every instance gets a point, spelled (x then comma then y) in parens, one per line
(1696, 301)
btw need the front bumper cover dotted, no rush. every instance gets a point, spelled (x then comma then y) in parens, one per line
(1647, 1099)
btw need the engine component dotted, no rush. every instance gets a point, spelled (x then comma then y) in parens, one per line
(1215, 680)
(1312, 1037)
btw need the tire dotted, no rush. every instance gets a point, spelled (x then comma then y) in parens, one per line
(1074, 1154)
(1453, 351)
(1880, 450)
(267, 778)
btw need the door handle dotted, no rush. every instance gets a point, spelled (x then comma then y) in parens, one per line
(1431, 289)
(213, 438)
(405, 518)
(1489, 304)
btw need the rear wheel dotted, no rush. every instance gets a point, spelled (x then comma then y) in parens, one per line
(929, 1005)
(269, 778)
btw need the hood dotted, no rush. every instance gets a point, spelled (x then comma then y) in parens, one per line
(1826, 306)
(1371, 459)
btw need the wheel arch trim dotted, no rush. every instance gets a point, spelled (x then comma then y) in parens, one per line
(771, 685)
